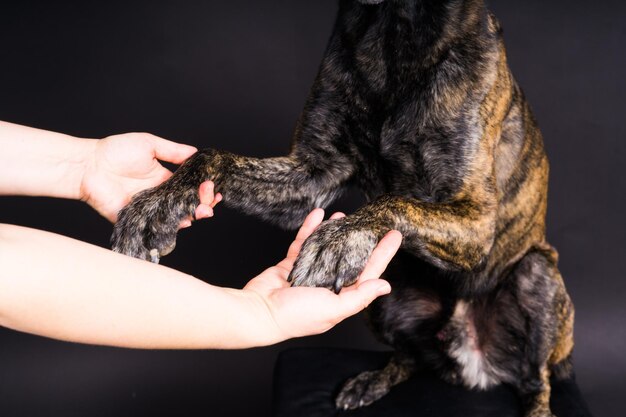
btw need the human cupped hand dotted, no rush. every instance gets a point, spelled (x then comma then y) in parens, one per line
(302, 311)
(119, 166)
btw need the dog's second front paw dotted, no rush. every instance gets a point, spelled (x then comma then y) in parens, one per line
(147, 227)
(334, 255)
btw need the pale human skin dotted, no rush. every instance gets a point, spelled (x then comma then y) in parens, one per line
(58, 287)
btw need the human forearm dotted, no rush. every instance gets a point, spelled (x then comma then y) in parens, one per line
(41, 163)
(62, 288)
(105, 173)
(65, 289)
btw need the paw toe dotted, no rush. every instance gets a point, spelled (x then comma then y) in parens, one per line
(359, 392)
(333, 256)
(147, 227)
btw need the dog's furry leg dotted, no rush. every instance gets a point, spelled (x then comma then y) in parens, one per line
(456, 236)
(282, 190)
(455, 232)
(535, 394)
(549, 316)
(369, 386)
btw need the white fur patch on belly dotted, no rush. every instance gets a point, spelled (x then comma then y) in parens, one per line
(465, 349)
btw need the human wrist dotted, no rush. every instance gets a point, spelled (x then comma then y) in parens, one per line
(38, 162)
(63, 164)
(78, 164)
(264, 330)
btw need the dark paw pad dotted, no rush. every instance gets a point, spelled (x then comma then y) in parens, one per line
(362, 390)
(333, 256)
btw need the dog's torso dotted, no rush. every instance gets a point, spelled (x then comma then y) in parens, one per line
(422, 102)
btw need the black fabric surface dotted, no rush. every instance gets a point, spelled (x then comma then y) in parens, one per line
(307, 380)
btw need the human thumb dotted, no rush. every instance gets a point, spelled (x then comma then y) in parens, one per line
(173, 152)
(357, 299)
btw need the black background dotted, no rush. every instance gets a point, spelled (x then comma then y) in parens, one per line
(234, 75)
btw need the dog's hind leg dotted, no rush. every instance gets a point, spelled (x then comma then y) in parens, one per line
(369, 386)
(549, 317)
(409, 320)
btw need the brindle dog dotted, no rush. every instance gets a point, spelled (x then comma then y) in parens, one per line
(414, 104)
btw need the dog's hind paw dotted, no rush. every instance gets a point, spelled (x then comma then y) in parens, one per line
(540, 413)
(362, 390)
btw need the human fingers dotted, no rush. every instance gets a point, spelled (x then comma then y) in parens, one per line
(368, 287)
(353, 300)
(308, 226)
(207, 200)
(207, 192)
(381, 256)
(217, 199)
(311, 222)
(169, 151)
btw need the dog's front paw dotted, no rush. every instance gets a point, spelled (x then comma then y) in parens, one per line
(147, 226)
(333, 256)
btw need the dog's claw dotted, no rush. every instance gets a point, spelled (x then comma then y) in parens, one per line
(154, 256)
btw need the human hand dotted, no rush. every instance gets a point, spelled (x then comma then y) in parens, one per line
(122, 165)
(303, 311)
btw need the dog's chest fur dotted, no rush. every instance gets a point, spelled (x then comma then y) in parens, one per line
(401, 87)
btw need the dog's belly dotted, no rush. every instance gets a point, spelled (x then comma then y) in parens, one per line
(474, 343)
(464, 344)
(412, 316)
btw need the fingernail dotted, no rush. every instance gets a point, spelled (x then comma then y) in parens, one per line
(383, 289)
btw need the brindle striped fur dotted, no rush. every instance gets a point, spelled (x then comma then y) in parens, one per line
(415, 105)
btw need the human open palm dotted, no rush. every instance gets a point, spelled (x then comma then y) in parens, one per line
(302, 311)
